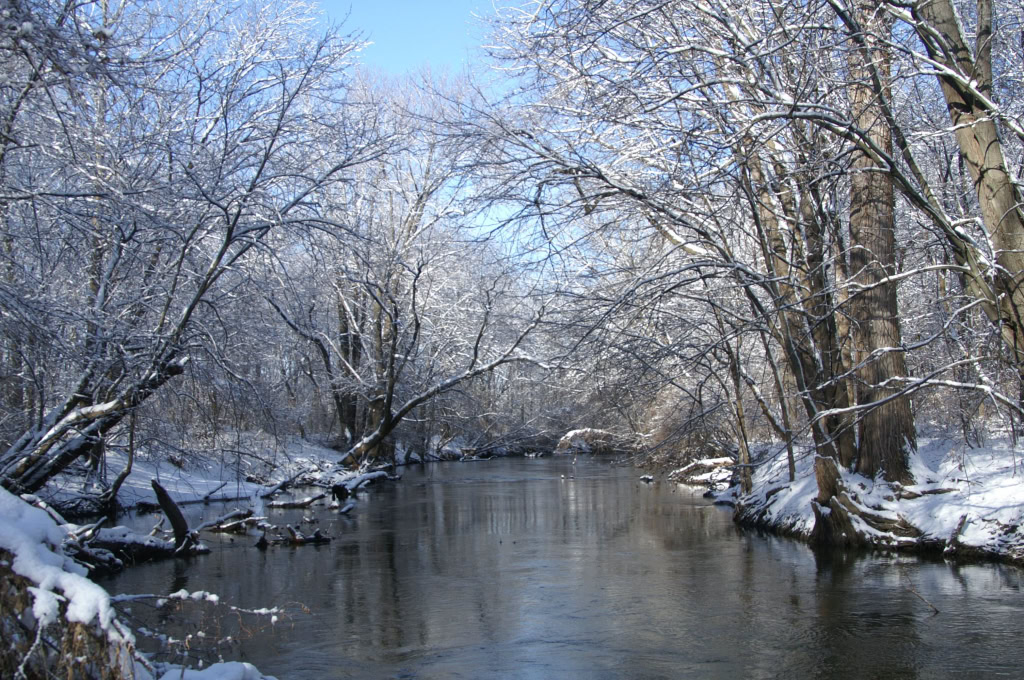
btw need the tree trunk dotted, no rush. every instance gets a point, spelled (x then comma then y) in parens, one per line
(182, 537)
(887, 434)
(70, 431)
(978, 138)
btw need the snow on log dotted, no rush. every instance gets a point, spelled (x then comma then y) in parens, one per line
(280, 486)
(304, 503)
(236, 522)
(344, 488)
(130, 546)
(591, 440)
(711, 472)
(362, 480)
(296, 537)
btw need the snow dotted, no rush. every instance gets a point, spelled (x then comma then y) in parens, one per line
(717, 472)
(232, 670)
(984, 486)
(199, 479)
(35, 540)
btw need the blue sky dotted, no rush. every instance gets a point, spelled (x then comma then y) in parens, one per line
(409, 34)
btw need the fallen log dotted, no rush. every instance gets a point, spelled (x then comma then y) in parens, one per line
(355, 483)
(183, 539)
(131, 547)
(280, 486)
(240, 526)
(904, 494)
(304, 503)
(296, 537)
(236, 521)
(209, 495)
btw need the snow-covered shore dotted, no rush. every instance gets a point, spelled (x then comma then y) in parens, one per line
(52, 595)
(967, 502)
(66, 621)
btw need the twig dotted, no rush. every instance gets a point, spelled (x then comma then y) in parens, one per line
(912, 589)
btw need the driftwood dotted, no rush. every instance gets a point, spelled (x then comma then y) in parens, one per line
(362, 480)
(208, 497)
(280, 486)
(213, 524)
(235, 522)
(296, 537)
(238, 527)
(131, 547)
(304, 503)
(183, 539)
(909, 494)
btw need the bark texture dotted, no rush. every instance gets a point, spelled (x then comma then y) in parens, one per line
(887, 434)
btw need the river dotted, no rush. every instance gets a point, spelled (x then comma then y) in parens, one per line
(541, 568)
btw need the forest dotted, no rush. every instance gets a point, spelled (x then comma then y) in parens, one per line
(787, 233)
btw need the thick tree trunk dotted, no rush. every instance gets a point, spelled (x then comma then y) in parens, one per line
(977, 136)
(792, 241)
(887, 434)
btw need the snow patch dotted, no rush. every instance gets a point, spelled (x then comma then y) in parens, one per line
(35, 540)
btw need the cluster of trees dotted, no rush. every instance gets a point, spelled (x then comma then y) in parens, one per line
(789, 218)
(210, 221)
(688, 222)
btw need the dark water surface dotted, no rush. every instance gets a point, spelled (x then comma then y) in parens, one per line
(536, 568)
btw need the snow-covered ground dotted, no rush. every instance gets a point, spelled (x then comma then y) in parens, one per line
(976, 494)
(220, 475)
(62, 593)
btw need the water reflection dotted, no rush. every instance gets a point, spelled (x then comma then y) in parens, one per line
(540, 569)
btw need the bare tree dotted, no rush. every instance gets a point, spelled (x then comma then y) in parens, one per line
(410, 303)
(207, 152)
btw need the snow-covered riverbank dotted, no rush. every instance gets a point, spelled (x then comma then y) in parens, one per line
(56, 618)
(63, 620)
(967, 502)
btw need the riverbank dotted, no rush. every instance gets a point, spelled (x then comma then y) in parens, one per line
(967, 503)
(57, 621)
(57, 607)
(540, 567)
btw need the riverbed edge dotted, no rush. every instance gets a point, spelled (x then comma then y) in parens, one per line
(966, 505)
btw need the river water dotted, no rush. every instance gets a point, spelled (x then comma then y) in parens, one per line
(541, 568)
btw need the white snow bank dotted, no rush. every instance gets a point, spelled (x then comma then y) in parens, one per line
(982, 487)
(219, 471)
(231, 670)
(34, 539)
